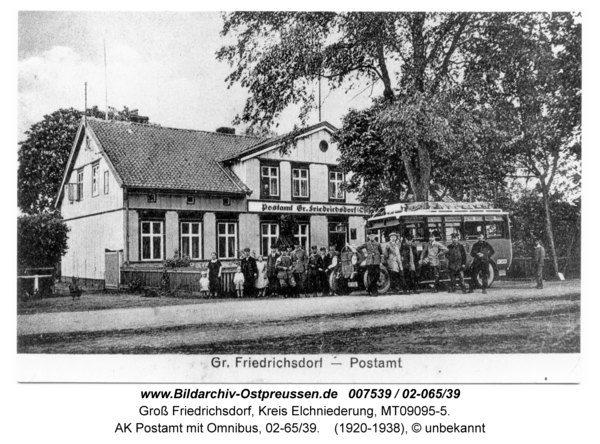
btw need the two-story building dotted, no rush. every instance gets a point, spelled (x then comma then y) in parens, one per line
(150, 192)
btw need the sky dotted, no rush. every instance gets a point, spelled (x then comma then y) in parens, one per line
(162, 63)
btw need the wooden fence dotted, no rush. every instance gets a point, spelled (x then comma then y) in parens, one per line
(185, 281)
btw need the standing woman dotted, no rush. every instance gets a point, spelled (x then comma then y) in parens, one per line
(214, 275)
(261, 277)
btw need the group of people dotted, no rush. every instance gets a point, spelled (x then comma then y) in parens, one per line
(289, 272)
(406, 266)
(292, 271)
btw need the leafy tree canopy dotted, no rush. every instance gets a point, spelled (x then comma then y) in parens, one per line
(43, 155)
(41, 240)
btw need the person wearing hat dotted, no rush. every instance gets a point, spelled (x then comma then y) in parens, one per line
(284, 266)
(300, 260)
(315, 267)
(539, 255)
(430, 256)
(410, 263)
(272, 270)
(323, 284)
(457, 263)
(481, 252)
(249, 270)
(393, 260)
(373, 259)
(329, 264)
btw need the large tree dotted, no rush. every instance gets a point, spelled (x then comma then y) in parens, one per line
(418, 58)
(44, 153)
(41, 240)
(537, 84)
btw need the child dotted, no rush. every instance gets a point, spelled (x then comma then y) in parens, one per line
(238, 282)
(204, 284)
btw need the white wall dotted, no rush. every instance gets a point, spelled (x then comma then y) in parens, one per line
(88, 238)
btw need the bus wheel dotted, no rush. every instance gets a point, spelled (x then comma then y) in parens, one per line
(491, 276)
(338, 284)
(383, 285)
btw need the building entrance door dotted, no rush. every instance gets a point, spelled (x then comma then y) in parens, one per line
(112, 270)
(338, 234)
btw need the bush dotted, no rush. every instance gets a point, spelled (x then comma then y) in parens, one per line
(177, 261)
(41, 240)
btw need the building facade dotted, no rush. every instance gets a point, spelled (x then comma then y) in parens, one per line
(151, 193)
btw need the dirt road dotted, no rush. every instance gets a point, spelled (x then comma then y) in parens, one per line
(311, 325)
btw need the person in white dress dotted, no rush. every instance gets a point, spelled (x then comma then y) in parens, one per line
(261, 278)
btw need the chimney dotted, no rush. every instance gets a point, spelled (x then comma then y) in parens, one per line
(225, 130)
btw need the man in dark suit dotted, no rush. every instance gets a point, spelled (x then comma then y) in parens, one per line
(481, 252)
(315, 267)
(410, 263)
(539, 255)
(272, 271)
(457, 263)
(250, 271)
(374, 254)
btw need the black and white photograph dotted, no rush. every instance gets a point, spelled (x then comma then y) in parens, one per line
(313, 195)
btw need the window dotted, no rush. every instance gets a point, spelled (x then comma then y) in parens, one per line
(302, 236)
(434, 227)
(95, 180)
(191, 240)
(270, 181)
(191, 200)
(451, 226)
(415, 226)
(152, 240)
(300, 183)
(227, 239)
(226, 201)
(323, 145)
(269, 233)
(106, 182)
(151, 198)
(473, 226)
(336, 179)
(80, 184)
(494, 227)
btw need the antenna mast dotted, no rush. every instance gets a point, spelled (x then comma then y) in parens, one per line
(319, 97)
(105, 83)
(85, 106)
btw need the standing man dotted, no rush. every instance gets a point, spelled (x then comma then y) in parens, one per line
(457, 263)
(250, 271)
(430, 256)
(481, 252)
(323, 274)
(315, 268)
(393, 260)
(539, 255)
(284, 267)
(300, 260)
(409, 255)
(272, 270)
(374, 253)
(332, 261)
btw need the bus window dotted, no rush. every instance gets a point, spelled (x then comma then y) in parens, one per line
(473, 226)
(414, 226)
(434, 227)
(451, 226)
(494, 227)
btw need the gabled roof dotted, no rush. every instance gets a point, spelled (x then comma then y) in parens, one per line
(146, 156)
(272, 143)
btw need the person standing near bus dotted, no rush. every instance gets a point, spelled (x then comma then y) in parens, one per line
(457, 263)
(539, 255)
(408, 251)
(373, 253)
(481, 252)
(393, 260)
(430, 256)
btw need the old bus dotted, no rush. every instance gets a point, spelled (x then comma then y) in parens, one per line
(468, 219)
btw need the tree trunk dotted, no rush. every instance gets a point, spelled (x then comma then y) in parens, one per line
(546, 200)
